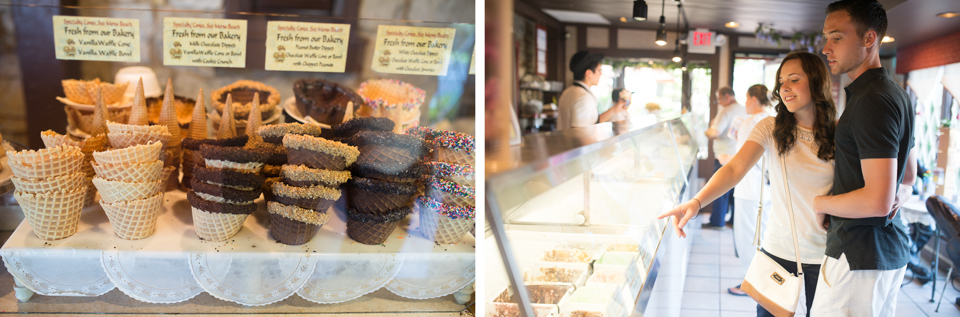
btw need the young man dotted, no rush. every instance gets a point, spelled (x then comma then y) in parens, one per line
(867, 246)
(724, 148)
(577, 106)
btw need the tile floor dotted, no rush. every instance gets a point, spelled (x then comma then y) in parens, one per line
(713, 268)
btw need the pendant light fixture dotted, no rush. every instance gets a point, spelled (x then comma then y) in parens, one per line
(640, 10)
(676, 49)
(662, 30)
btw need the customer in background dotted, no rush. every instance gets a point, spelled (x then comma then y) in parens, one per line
(747, 193)
(724, 148)
(867, 246)
(801, 133)
(577, 106)
(620, 98)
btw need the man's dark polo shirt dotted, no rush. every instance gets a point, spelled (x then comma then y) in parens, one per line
(877, 123)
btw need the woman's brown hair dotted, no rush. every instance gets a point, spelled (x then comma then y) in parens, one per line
(825, 117)
(759, 91)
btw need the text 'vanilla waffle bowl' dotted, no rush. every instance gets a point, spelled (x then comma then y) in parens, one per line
(53, 215)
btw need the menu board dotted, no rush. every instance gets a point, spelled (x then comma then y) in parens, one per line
(312, 47)
(413, 50)
(204, 42)
(96, 39)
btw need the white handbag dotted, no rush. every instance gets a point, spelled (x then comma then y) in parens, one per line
(772, 286)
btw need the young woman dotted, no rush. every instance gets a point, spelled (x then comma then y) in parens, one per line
(747, 194)
(802, 133)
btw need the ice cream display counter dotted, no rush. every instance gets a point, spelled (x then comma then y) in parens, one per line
(571, 216)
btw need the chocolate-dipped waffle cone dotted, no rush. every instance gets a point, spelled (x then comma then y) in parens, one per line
(208, 191)
(53, 215)
(134, 219)
(364, 168)
(393, 151)
(294, 225)
(114, 191)
(139, 115)
(134, 172)
(318, 152)
(49, 184)
(303, 176)
(443, 223)
(49, 162)
(351, 127)
(248, 160)
(316, 198)
(374, 229)
(217, 221)
(274, 133)
(377, 197)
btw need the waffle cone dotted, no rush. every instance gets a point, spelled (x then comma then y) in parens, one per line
(451, 156)
(139, 115)
(314, 159)
(49, 184)
(49, 162)
(228, 124)
(134, 154)
(76, 91)
(134, 219)
(254, 118)
(389, 154)
(251, 167)
(52, 215)
(119, 140)
(168, 114)
(448, 198)
(292, 232)
(370, 232)
(198, 122)
(131, 128)
(115, 191)
(373, 202)
(440, 228)
(216, 226)
(134, 172)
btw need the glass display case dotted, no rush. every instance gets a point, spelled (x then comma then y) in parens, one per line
(571, 215)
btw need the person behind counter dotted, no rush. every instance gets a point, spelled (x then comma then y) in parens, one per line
(577, 106)
(620, 98)
(802, 133)
(724, 147)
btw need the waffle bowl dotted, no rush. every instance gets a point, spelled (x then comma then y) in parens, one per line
(441, 223)
(302, 176)
(376, 196)
(85, 92)
(50, 184)
(366, 169)
(211, 226)
(134, 172)
(49, 162)
(84, 120)
(134, 154)
(455, 148)
(134, 219)
(267, 188)
(119, 140)
(115, 191)
(316, 198)
(393, 99)
(393, 151)
(462, 174)
(318, 152)
(53, 215)
(450, 193)
(374, 229)
(116, 127)
(294, 225)
(242, 92)
(87, 146)
(324, 101)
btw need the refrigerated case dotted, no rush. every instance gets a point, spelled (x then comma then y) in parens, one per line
(572, 216)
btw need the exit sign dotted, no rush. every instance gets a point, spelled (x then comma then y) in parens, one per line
(701, 41)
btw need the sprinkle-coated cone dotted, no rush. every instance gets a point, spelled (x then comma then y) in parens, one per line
(138, 113)
(198, 123)
(440, 228)
(228, 125)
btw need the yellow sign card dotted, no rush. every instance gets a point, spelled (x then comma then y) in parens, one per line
(311, 47)
(204, 42)
(413, 50)
(96, 39)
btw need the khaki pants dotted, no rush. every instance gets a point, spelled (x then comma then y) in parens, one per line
(842, 292)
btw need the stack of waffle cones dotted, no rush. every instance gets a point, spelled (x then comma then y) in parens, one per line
(222, 196)
(446, 209)
(130, 185)
(87, 147)
(95, 93)
(48, 188)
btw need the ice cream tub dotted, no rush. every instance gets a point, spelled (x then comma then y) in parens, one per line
(559, 273)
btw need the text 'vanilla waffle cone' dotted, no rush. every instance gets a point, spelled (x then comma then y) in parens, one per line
(119, 140)
(134, 219)
(441, 228)
(49, 184)
(216, 226)
(52, 215)
(134, 154)
(114, 191)
(133, 172)
(50, 162)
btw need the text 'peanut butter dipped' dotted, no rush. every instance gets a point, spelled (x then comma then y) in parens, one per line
(198, 121)
(99, 125)
(228, 125)
(139, 115)
(254, 120)
(317, 152)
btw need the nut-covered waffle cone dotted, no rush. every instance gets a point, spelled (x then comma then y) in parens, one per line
(216, 226)
(315, 159)
(289, 231)
(134, 219)
(198, 122)
(440, 228)
(250, 167)
(114, 191)
(134, 172)
(116, 127)
(139, 115)
(52, 215)
(228, 124)
(49, 184)
(119, 140)
(451, 156)
(370, 232)
(49, 162)
(168, 115)
(134, 154)
(448, 198)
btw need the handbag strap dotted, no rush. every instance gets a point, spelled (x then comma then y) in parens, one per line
(756, 236)
(793, 225)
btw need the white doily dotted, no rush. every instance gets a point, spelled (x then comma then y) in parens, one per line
(161, 277)
(43, 272)
(342, 277)
(252, 278)
(426, 276)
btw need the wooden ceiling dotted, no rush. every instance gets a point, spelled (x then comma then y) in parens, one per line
(910, 21)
